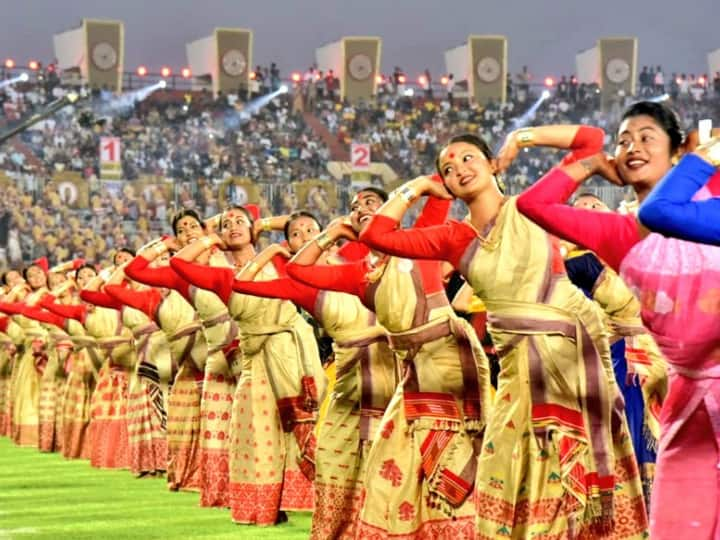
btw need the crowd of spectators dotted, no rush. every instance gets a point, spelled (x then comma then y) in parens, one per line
(193, 142)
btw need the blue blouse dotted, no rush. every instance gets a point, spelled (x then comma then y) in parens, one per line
(670, 210)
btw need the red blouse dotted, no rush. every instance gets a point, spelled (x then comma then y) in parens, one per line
(164, 276)
(284, 288)
(212, 278)
(351, 277)
(608, 234)
(77, 312)
(102, 299)
(146, 300)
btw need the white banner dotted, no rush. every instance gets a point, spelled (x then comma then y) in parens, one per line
(110, 163)
(360, 156)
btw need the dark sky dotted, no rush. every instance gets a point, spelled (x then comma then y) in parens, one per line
(544, 34)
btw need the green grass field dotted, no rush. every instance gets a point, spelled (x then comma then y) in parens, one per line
(45, 496)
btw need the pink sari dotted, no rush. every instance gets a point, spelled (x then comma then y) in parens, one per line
(678, 283)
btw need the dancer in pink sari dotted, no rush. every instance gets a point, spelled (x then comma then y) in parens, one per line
(678, 283)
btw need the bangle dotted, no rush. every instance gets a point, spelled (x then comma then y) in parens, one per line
(160, 248)
(266, 224)
(525, 137)
(207, 242)
(324, 241)
(407, 194)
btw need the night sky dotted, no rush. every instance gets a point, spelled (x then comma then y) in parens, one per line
(544, 34)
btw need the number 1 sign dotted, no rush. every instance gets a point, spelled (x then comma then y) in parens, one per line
(110, 166)
(360, 156)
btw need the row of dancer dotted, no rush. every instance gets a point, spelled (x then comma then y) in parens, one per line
(413, 443)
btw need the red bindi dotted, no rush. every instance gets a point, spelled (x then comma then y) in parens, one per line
(451, 155)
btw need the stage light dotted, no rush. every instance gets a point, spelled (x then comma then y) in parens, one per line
(296, 77)
(545, 94)
(444, 80)
(409, 92)
(253, 75)
(379, 79)
(283, 89)
(165, 71)
(34, 65)
(23, 77)
(317, 76)
(9, 63)
(422, 80)
(549, 82)
(142, 71)
(162, 84)
(186, 73)
(701, 80)
(402, 79)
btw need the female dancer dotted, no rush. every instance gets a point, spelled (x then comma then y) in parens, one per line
(365, 380)
(221, 334)
(556, 457)
(82, 369)
(674, 281)
(280, 380)
(28, 369)
(421, 466)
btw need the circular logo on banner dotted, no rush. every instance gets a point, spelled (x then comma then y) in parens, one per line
(360, 67)
(104, 56)
(68, 193)
(234, 62)
(617, 70)
(488, 69)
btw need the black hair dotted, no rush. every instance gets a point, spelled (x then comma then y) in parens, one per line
(663, 116)
(477, 142)
(184, 213)
(247, 214)
(124, 250)
(296, 215)
(376, 190)
(86, 265)
(3, 278)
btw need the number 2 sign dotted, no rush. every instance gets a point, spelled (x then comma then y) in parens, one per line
(360, 156)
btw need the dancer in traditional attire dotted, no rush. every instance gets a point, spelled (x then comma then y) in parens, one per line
(557, 460)
(421, 466)
(676, 283)
(365, 381)
(221, 334)
(280, 381)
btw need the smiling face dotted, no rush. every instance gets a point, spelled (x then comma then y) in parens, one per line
(465, 170)
(187, 230)
(55, 279)
(642, 152)
(235, 229)
(84, 275)
(362, 208)
(36, 278)
(121, 258)
(300, 231)
(12, 278)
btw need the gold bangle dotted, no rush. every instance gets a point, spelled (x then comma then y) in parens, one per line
(407, 194)
(266, 224)
(525, 137)
(324, 241)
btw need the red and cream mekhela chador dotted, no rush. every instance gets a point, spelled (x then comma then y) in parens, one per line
(221, 334)
(365, 381)
(280, 381)
(421, 466)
